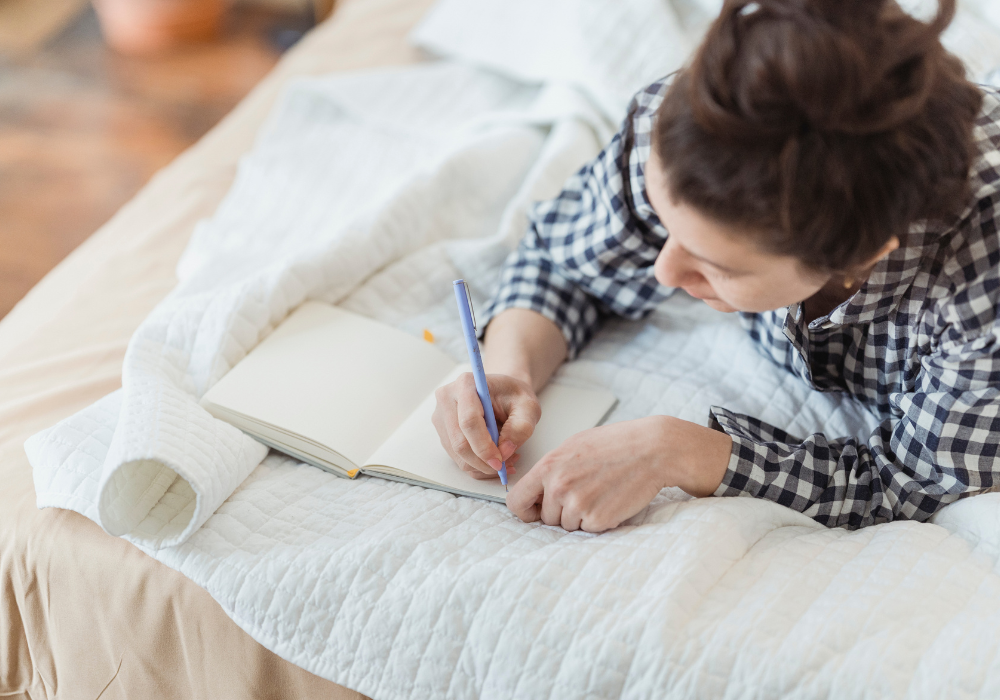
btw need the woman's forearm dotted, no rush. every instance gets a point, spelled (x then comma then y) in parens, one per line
(525, 345)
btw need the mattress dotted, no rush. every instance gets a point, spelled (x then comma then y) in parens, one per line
(84, 614)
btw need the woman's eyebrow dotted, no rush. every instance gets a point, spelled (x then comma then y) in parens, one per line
(710, 262)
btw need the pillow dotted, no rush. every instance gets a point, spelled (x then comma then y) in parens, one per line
(612, 48)
(608, 48)
(974, 36)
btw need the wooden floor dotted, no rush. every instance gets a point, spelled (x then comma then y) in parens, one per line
(82, 129)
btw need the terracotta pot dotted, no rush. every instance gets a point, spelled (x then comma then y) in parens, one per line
(150, 26)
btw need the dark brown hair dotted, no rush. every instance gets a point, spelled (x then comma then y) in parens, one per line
(824, 127)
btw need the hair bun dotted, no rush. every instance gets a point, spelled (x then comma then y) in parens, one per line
(774, 68)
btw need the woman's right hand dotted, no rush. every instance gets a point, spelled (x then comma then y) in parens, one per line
(461, 425)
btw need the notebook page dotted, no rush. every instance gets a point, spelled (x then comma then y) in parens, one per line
(415, 449)
(333, 377)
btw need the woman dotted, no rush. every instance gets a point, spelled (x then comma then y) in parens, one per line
(824, 168)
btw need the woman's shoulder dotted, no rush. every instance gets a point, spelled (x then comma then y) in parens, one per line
(648, 99)
(979, 220)
(962, 261)
(990, 112)
(985, 174)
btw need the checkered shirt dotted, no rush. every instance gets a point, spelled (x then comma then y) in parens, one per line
(919, 343)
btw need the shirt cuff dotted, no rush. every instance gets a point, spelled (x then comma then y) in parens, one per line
(753, 447)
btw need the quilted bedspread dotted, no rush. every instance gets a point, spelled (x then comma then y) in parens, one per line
(375, 191)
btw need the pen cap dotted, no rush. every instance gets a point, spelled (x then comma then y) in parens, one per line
(467, 316)
(468, 299)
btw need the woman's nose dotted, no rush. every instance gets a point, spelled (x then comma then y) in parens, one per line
(672, 268)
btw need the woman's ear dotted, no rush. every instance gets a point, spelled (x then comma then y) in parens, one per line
(890, 245)
(862, 270)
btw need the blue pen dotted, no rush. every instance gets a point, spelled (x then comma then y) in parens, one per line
(469, 330)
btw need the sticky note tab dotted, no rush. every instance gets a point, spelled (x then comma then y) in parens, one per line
(428, 336)
(353, 473)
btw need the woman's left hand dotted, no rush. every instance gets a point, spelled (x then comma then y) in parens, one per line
(601, 477)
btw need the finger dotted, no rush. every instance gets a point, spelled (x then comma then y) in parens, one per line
(552, 509)
(596, 526)
(569, 520)
(450, 435)
(519, 426)
(473, 426)
(463, 450)
(523, 500)
(511, 468)
(499, 410)
(472, 421)
(445, 437)
(476, 474)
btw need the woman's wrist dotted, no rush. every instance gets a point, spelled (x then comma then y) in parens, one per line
(693, 457)
(525, 345)
(519, 371)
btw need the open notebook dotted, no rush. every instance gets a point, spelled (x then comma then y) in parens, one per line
(350, 395)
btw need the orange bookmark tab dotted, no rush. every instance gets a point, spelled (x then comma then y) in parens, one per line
(428, 336)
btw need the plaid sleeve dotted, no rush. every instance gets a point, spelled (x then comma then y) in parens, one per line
(590, 251)
(530, 279)
(939, 445)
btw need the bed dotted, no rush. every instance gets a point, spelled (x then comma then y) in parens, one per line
(84, 614)
(754, 600)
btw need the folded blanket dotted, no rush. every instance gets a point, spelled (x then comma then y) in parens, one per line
(375, 191)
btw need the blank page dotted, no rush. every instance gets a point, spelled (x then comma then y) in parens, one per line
(334, 377)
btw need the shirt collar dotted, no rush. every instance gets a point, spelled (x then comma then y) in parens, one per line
(888, 282)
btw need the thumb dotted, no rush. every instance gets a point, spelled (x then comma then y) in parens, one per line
(520, 424)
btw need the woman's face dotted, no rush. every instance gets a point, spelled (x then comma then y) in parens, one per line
(717, 264)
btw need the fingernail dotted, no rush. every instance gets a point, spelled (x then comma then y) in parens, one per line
(495, 463)
(507, 449)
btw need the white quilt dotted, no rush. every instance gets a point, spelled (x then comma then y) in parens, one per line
(375, 191)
